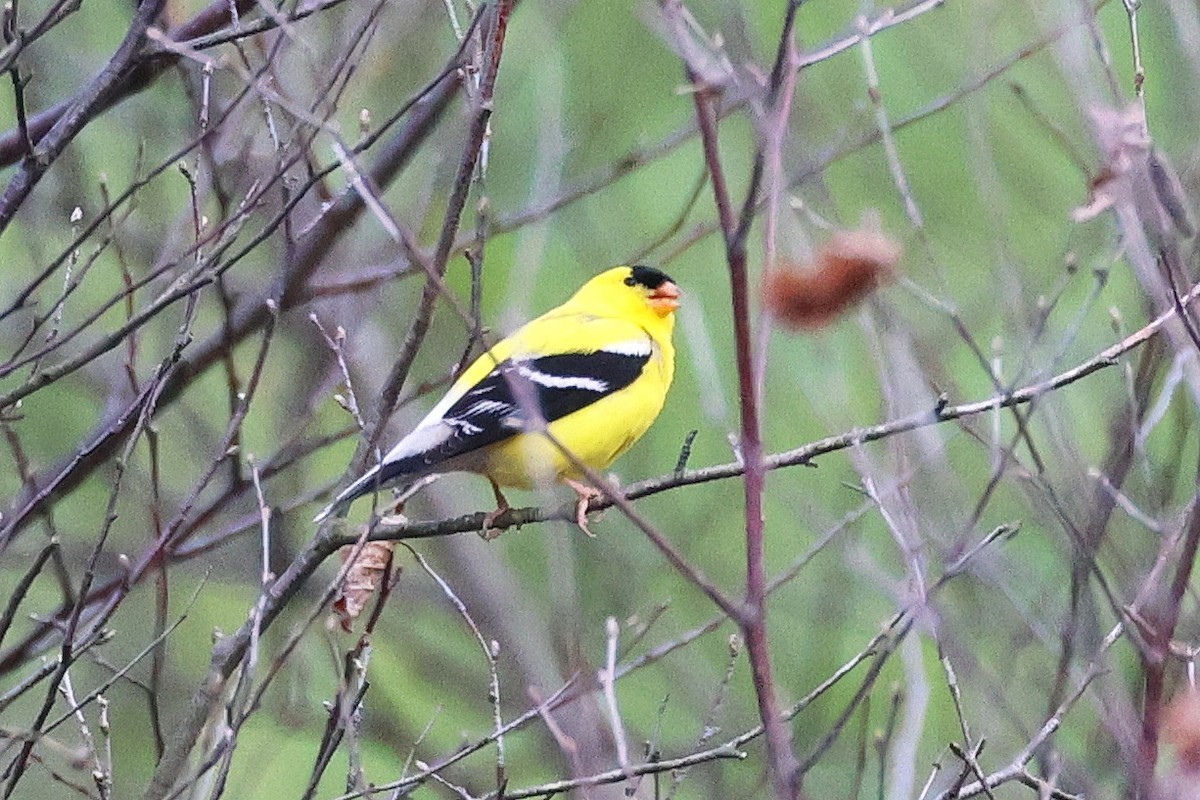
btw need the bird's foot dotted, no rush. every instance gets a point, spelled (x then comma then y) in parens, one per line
(487, 532)
(489, 519)
(586, 495)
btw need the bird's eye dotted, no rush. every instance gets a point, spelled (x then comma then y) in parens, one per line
(630, 281)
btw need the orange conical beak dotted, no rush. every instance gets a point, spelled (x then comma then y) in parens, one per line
(665, 299)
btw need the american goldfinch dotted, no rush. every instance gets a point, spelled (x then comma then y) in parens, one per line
(594, 371)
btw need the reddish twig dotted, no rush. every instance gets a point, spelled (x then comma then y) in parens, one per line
(784, 768)
(1157, 650)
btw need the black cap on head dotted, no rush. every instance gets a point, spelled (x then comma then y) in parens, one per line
(649, 277)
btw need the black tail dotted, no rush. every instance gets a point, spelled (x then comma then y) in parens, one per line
(365, 485)
(390, 473)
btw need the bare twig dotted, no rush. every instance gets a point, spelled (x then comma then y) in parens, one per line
(98, 93)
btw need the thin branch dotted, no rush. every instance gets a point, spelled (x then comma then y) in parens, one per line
(802, 455)
(140, 71)
(93, 99)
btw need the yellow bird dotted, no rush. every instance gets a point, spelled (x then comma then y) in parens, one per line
(595, 372)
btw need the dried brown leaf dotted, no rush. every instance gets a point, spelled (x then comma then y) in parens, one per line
(1181, 727)
(847, 268)
(363, 579)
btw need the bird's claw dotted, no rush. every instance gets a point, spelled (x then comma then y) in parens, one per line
(586, 495)
(487, 532)
(581, 508)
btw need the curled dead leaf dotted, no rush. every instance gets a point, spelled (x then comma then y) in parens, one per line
(1134, 173)
(847, 268)
(363, 579)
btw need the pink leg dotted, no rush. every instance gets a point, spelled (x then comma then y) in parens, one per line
(502, 506)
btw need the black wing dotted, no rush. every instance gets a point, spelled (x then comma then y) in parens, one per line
(497, 407)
